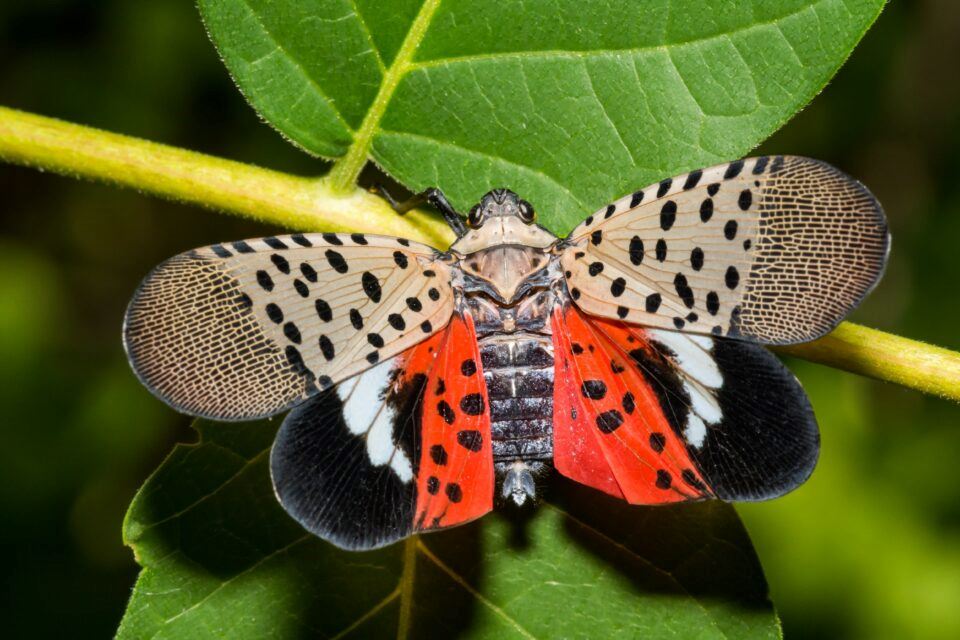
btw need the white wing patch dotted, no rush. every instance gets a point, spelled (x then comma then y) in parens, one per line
(701, 379)
(246, 329)
(366, 414)
(774, 249)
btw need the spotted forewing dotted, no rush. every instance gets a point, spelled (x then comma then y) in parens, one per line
(247, 329)
(777, 250)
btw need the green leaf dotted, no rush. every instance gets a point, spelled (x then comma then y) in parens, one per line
(222, 559)
(569, 103)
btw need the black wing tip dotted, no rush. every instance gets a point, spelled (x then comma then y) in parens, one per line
(346, 535)
(323, 480)
(776, 429)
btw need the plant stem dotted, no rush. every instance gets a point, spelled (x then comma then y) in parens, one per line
(884, 356)
(305, 204)
(308, 204)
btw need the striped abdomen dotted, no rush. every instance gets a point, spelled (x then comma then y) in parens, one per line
(518, 368)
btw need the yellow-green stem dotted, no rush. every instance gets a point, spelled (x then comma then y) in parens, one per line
(308, 204)
(884, 356)
(305, 204)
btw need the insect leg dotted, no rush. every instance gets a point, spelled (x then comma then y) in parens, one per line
(432, 196)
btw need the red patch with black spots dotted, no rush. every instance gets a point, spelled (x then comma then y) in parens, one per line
(610, 430)
(455, 476)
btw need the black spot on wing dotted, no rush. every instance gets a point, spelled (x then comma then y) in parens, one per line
(275, 243)
(683, 290)
(617, 287)
(472, 404)
(593, 389)
(664, 480)
(438, 454)
(609, 421)
(664, 187)
(733, 170)
(327, 348)
(706, 210)
(371, 286)
(308, 272)
(658, 441)
(471, 440)
(280, 263)
(454, 492)
(693, 178)
(653, 302)
(264, 280)
(220, 251)
(356, 319)
(324, 312)
(636, 250)
(445, 411)
(668, 215)
(336, 261)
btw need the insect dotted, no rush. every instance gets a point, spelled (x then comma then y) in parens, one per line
(427, 385)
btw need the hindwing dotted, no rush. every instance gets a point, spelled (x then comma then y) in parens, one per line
(659, 416)
(402, 447)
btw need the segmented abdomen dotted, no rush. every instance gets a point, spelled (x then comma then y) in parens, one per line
(518, 368)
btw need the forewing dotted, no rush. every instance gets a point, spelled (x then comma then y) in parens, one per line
(776, 249)
(247, 329)
(711, 417)
(455, 481)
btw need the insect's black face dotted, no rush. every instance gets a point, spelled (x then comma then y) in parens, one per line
(500, 203)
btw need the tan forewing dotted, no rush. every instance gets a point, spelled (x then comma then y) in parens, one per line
(775, 249)
(247, 329)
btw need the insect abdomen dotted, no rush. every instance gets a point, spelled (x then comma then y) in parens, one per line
(518, 369)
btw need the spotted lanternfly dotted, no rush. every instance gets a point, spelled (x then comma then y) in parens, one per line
(426, 384)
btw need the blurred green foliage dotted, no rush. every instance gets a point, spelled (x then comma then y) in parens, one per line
(870, 547)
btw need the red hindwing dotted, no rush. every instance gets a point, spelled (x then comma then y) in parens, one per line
(610, 430)
(455, 478)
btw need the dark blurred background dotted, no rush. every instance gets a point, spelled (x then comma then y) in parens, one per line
(869, 548)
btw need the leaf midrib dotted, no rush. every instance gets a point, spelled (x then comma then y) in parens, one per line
(344, 174)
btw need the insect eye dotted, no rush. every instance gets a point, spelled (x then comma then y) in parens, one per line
(527, 214)
(474, 219)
